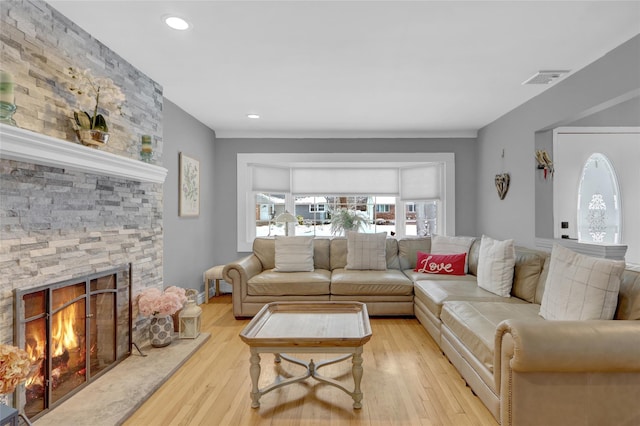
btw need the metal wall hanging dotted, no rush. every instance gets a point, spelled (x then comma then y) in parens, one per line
(502, 181)
(502, 184)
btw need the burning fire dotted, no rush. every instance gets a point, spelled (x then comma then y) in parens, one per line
(63, 333)
(35, 349)
(64, 339)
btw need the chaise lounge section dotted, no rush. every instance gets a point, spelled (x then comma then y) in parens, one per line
(528, 370)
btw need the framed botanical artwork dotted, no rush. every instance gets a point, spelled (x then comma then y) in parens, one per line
(189, 200)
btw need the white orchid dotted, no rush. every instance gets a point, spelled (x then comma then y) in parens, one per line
(93, 92)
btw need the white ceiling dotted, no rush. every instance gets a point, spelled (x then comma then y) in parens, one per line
(354, 68)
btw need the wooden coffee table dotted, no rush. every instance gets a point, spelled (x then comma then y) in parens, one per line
(308, 327)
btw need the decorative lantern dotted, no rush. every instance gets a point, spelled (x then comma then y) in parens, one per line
(189, 320)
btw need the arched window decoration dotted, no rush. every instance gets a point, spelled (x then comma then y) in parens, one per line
(599, 211)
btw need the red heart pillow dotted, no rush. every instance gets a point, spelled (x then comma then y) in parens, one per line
(447, 264)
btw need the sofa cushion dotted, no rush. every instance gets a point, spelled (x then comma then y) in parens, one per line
(408, 249)
(420, 276)
(580, 287)
(338, 253)
(452, 245)
(294, 254)
(629, 296)
(542, 281)
(441, 264)
(366, 251)
(495, 266)
(271, 283)
(526, 275)
(355, 282)
(264, 250)
(472, 258)
(321, 253)
(434, 293)
(475, 323)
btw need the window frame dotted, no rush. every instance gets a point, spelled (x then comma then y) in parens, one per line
(246, 231)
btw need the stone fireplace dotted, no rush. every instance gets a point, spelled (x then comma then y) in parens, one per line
(74, 331)
(69, 212)
(81, 237)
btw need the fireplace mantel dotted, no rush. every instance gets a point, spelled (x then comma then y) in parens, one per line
(30, 147)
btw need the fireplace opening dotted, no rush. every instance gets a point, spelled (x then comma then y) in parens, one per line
(73, 331)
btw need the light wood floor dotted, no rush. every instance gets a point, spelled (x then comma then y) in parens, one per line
(407, 381)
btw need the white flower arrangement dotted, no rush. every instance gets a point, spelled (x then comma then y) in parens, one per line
(94, 92)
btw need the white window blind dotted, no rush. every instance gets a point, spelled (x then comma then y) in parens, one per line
(422, 182)
(337, 180)
(379, 174)
(270, 178)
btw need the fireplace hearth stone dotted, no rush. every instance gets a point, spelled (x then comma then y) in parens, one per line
(114, 396)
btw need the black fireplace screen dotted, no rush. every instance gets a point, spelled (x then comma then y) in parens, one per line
(73, 331)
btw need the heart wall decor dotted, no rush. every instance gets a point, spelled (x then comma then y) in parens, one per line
(502, 184)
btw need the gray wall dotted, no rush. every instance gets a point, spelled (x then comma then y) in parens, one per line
(623, 114)
(544, 189)
(188, 241)
(225, 210)
(611, 79)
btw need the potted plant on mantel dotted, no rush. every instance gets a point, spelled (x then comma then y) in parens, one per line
(92, 129)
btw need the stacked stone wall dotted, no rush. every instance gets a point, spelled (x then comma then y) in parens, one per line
(58, 224)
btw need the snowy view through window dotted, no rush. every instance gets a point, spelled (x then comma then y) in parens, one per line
(315, 214)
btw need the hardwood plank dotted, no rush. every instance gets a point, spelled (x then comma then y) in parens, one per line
(407, 381)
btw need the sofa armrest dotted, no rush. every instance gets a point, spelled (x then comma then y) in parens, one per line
(574, 369)
(238, 274)
(569, 346)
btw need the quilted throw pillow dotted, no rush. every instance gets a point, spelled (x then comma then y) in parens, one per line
(294, 254)
(496, 264)
(580, 287)
(444, 264)
(452, 245)
(366, 251)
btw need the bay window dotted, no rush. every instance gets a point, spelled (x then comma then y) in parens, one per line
(400, 194)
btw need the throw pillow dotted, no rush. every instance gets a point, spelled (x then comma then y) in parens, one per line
(366, 251)
(496, 264)
(452, 245)
(444, 264)
(294, 254)
(580, 287)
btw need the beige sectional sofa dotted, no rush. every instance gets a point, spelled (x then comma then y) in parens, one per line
(525, 369)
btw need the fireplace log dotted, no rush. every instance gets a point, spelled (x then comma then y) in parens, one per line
(60, 360)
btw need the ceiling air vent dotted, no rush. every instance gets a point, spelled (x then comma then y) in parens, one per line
(546, 77)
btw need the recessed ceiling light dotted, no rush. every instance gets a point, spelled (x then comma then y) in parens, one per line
(176, 23)
(253, 116)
